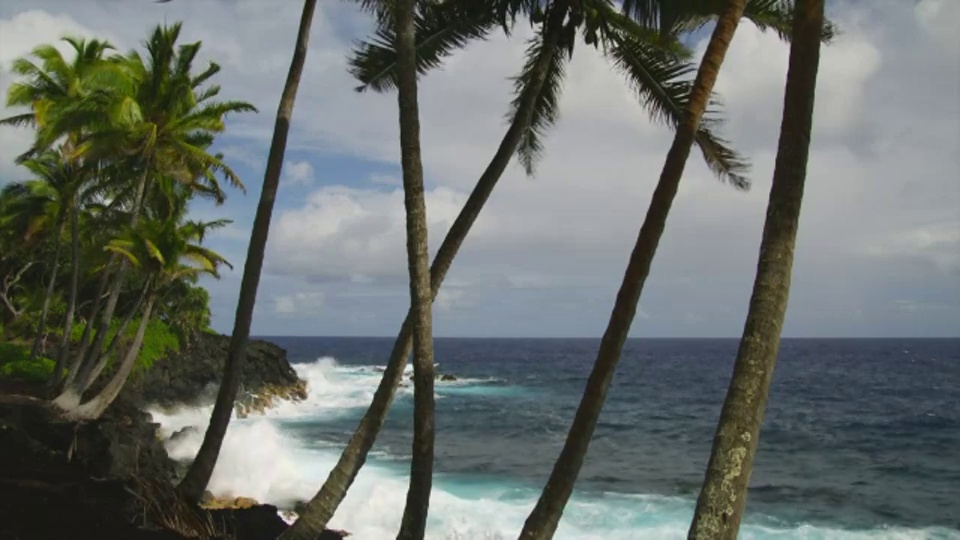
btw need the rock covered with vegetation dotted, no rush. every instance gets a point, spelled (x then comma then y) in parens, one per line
(191, 375)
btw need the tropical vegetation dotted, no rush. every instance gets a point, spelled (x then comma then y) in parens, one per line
(122, 144)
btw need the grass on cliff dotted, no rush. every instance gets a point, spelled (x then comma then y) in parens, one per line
(158, 342)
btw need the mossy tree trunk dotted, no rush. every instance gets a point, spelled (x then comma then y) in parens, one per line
(723, 496)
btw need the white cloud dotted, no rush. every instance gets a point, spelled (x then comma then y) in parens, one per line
(298, 304)
(298, 172)
(344, 233)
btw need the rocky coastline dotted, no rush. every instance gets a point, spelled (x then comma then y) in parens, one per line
(113, 477)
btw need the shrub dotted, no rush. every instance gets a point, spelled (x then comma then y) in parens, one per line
(14, 364)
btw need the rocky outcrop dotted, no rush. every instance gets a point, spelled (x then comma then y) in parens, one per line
(267, 396)
(110, 478)
(121, 444)
(192, 376)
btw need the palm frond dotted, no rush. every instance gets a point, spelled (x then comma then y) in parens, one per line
(686, 16)
(546, 110)
(441, 29)
(663, 82)
(19, 120)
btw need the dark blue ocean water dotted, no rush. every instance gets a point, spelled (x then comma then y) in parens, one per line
(858, 433)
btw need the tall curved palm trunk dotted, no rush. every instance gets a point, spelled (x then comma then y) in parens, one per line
(543, 520)
(48, 295)
(414, 523)
(201, 469)
(724, 492)
(324, 504)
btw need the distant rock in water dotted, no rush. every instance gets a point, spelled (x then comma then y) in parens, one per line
(444, 377)
(192, 376)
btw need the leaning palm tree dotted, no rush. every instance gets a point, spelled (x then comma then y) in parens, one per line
(650, 61)
(165, 250)
(414, 523)
(724, 492)
(161, 129)
(543, 520)
(198, 475)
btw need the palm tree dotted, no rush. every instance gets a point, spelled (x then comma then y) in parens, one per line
(198, 475)
(724, 492)
(543, 520)
(165, 125)
(651, 65)
(167, 250)
(49, 88)
(414, 523)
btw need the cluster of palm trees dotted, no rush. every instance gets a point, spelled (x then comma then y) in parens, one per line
(642, 39)
(121, 147)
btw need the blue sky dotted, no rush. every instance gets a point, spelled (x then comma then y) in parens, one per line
(879, 247)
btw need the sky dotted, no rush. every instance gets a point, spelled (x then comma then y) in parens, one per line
(878, 252)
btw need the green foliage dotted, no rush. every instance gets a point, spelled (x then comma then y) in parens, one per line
(121, 145)
(14, 364)
(158, 342)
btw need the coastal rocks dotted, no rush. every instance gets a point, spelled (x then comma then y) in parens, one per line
(181, 434)
(262, 522)
(266, 398)
(122, 444)
(223, 503)
(192, 376)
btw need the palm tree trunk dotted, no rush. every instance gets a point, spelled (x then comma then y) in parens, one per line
(543, 520)
(64, 349)
(114, 343)
(85, 343)
(73, 391)
(324, 504)
(96, 406)
(51, 285)
(724, 492)
(201, 469)
(94, 354)
(414, 523)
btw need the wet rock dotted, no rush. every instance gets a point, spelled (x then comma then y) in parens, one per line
(256, 403)
(181, 434)
(447, 377)
(225, 503)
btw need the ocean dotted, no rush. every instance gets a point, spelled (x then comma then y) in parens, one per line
(861, 438)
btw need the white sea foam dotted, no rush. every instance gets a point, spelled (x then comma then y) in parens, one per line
(261, 459)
